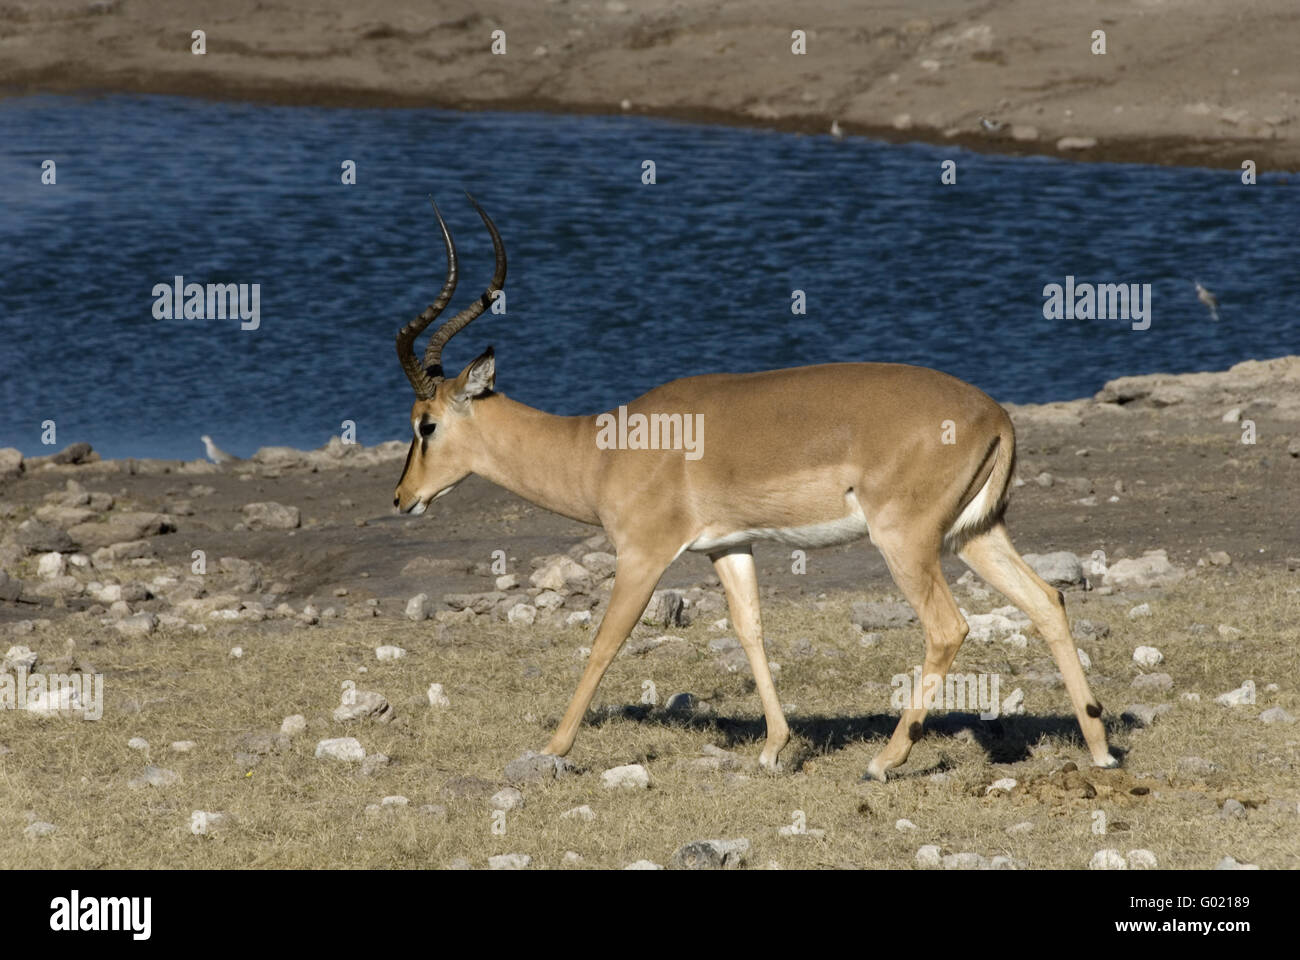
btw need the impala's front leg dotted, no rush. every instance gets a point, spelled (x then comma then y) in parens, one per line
(634, 581)
(735, 569)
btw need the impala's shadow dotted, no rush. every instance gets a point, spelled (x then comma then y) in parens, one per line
(1006, 739)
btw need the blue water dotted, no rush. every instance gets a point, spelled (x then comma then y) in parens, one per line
(614, 286)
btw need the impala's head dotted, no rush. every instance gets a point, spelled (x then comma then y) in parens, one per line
(442, 425)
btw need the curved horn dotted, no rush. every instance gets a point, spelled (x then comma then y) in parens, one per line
(421, 381)
(433, 353)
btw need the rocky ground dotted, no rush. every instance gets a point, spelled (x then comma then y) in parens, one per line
(280, 650)
(1187, 82)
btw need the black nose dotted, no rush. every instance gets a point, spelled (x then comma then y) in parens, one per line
(397, 502)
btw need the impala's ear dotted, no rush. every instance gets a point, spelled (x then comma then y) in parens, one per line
(476, 379)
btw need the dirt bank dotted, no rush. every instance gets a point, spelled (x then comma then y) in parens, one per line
(1188, 82)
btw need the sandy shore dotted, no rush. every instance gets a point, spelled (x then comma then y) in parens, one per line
(1150, 462)
(1192, 82)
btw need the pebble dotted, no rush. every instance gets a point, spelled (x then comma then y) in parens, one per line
(1242, 696)
(509, 861)
(1147, 657)
(507, 798)
(1141, 860)
(632, 776)
(1108, 859)
(345, 749)
(418, 607)
(1232, 810)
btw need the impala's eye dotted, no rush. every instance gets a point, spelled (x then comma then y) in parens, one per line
(426, 429)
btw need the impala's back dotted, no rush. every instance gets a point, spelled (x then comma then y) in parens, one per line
(809, 456)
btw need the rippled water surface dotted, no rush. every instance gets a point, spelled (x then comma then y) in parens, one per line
(614, 286)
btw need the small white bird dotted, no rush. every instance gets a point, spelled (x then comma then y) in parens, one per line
(990, 126)
(1208, 298)
(836, 132)
(215, 453)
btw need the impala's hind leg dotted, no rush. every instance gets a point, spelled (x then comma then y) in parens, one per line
(736, 571)
(992, 556)
(915, 568)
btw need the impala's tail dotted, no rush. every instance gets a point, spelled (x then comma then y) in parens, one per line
(985, 499)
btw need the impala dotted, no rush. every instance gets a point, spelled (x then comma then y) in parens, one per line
(916, 460)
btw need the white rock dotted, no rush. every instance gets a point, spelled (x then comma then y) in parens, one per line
(630, 776)
(294, 725)
(346, 749)
(507, 798)
(137, 625)
(417, 608)
(1152, 569)
(236, 653)
(901, 825)
(1014, 703)
(1085, 661)
(51, 565)
(523, 614)
(1141, 610)
(643, 865)
(987, 627)
(138, 743)
(583, 812)
(928, 856)
(182, 746)
(1147, 657)
(579, 618)
(19, 657)
(1141, 860)
(1242, 696)
(206, 822)
(1108, 859)
(507, 581)
(548, 600)
(1229, 863)
(437, 698)
(561, 573)
(389, 652)
(965, 861)
(1006, 784)
(509, 861)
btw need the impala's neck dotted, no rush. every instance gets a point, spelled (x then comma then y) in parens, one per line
(544, 458)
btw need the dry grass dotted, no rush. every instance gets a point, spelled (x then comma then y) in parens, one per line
(508, 686)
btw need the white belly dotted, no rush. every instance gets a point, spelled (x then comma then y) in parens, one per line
(828, 533)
